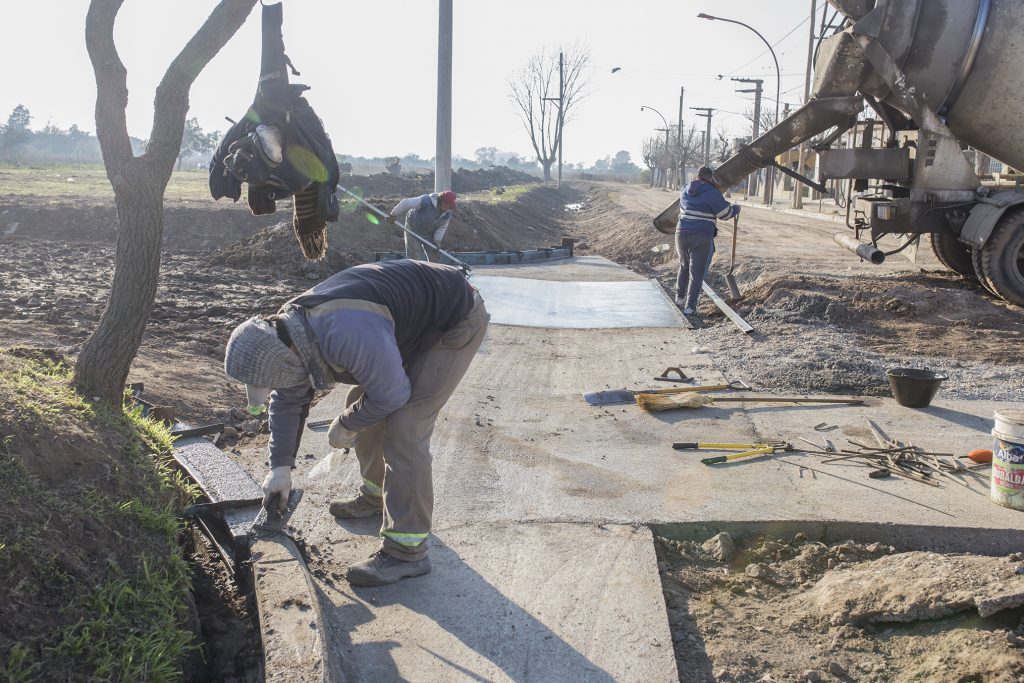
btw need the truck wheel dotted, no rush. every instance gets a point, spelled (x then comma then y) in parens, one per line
(979, 272)
(1002, 257)
(953, 253)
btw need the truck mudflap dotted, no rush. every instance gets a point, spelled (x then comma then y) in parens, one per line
(985, 214)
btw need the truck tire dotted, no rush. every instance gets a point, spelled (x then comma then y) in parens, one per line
(979, 273)
(953, 253)
(1002, 257)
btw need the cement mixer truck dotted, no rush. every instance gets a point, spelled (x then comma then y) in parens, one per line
(937, 75)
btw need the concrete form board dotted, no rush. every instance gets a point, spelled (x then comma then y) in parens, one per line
(221, 479)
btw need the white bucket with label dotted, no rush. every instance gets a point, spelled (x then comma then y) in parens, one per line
(1008, 458)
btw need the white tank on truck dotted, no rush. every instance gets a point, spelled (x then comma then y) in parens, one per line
(938, 75)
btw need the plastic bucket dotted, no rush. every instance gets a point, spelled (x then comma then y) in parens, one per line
(914, 388)
(1008, 459)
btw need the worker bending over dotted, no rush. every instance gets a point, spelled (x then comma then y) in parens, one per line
(403, 334)
(428, 216)
(700, 206)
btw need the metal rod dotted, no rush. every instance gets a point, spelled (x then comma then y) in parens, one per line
(735, 317)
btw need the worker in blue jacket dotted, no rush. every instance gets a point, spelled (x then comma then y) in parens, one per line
(700, 206)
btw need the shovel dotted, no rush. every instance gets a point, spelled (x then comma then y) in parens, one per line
(611, 397)
(734, 291)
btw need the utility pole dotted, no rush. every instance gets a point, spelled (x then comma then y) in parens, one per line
(680, 171)
(707, 113)
(443, 154)
(561, 114)
(798, 190)
(752, 178)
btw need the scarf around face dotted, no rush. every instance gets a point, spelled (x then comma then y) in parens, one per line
(305, 345)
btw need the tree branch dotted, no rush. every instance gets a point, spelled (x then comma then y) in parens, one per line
(111, 86)
(171, 102)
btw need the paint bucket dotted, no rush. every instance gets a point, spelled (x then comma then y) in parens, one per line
(914, 388)
(1008, 458)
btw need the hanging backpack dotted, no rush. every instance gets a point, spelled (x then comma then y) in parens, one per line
(280, 149)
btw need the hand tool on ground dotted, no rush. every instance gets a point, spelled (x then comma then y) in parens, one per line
(979, 455)
(747, 450)
(269, 520)
(409, 231)
(656, 403)
(197, 509)
(734, 291)
(316, 424)
(665, 376)
(827, 448)
(619, 396)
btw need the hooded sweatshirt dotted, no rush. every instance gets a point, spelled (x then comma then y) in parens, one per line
(700, 205)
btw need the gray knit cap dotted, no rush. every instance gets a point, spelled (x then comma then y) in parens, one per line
(255, 356)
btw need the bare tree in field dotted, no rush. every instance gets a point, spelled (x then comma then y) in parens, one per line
(535, 93)
(649, 148)
(139, 182)
(690, 144)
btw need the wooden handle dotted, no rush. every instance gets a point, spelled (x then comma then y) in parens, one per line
(768, 399)
(680, 390)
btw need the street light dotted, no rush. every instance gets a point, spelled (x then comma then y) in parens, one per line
(769, 186)
(663, 120)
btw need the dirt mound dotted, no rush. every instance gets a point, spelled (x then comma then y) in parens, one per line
(275, 249)
(463, 180)
(778, 610)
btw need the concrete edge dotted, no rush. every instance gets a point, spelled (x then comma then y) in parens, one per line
(292, 627)
(904, 537)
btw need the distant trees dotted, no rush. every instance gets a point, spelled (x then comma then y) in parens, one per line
(485, 156)
(534, 90)
(195, 141)
(139, 182)
(15, 132)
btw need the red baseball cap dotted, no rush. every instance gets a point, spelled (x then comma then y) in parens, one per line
(448, 197)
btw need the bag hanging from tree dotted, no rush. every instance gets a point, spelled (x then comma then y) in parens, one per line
(280, 149)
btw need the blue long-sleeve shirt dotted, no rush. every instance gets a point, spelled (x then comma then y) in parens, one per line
(370, 322)
(700, 206)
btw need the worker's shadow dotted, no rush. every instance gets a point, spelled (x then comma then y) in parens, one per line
(460, 601)
(980, 423)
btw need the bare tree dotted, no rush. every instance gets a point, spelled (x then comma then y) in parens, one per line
(535, 92)
(139, 182)
(649, 149)
(690, 149)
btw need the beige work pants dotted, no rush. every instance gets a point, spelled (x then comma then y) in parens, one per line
(394, 454)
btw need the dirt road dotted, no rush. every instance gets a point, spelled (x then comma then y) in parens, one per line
(824, 320)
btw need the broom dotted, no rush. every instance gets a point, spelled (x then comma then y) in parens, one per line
(655, 403)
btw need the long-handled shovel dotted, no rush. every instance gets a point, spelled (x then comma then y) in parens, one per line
(734, 291)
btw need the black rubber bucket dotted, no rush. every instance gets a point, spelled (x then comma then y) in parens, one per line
(914, 388)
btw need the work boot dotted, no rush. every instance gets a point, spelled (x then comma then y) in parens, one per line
(380, 569)
(357, 507)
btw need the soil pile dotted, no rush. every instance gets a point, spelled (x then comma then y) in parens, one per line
(274, 249)
(776, 610)
(463, 180)
(821, 333)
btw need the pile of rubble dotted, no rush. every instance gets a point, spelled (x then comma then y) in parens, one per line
(274, 249)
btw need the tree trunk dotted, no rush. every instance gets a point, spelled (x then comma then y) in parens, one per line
(103, 365)
(547, 169)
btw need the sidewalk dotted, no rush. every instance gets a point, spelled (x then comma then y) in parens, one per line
(829, 212)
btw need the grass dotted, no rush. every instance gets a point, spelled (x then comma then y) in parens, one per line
(508, 195)
(61, 184)
(95, 578)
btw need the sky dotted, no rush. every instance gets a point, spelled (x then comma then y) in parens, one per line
(372, 66)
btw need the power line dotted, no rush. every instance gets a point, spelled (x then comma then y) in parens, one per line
(775, 44)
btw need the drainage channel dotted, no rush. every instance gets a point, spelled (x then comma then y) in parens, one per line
(266, 562)
(837, 601)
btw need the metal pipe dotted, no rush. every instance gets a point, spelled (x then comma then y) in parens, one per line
(867, 252)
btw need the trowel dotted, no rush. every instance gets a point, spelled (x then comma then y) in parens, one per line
(269, 520)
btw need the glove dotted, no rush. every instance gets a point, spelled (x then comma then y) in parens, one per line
(278, 483)
(339, 437)
(736, 209)
(390, 219)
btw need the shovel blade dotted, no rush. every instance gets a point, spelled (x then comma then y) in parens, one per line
(609, 397)
(734, 290)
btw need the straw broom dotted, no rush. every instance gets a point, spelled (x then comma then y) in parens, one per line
(656, 403)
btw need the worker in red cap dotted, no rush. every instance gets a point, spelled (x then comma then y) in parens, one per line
(428, 216)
